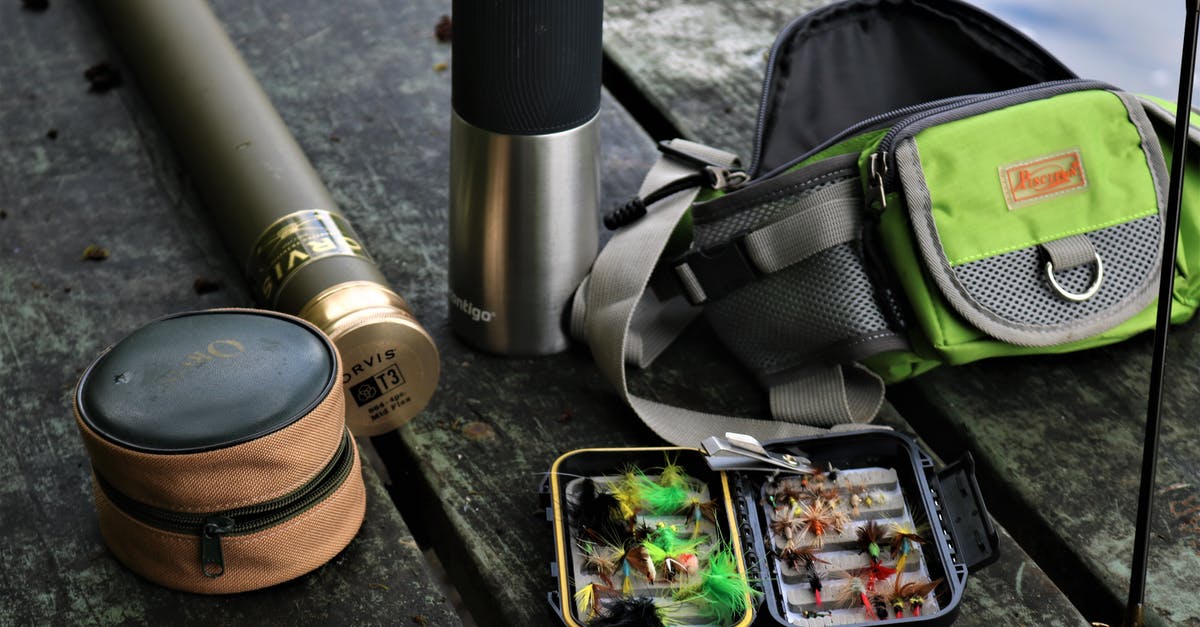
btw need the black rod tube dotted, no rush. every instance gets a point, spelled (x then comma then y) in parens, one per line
(1134, 614)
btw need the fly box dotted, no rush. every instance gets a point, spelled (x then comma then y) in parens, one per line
(220, 455)
(646, 534)
(850, 528)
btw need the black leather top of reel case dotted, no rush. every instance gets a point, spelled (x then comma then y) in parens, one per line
(206, 380)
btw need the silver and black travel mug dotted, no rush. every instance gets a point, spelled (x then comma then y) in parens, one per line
(524, 172)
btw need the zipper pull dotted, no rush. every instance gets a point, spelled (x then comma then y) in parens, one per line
(725, 179)
(878, 171)
(212, 561)
(716, 177)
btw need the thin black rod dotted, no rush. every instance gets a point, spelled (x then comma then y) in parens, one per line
(1134, 614)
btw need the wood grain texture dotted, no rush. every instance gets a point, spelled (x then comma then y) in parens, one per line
(106, 177)
(1060, 454)
(1063, 456)
(700, 63)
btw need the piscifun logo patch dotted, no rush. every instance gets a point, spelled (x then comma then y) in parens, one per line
(1030, 182)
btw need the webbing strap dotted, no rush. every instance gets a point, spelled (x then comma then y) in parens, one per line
(828, 396)
(615, 328)
(827, 217)
(820, 220)
(1070, 252)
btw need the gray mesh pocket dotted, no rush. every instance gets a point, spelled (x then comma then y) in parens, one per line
(1001, 284)
(820, 309)
(799, 315)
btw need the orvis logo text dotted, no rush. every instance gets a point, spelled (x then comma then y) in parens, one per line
(1032, 181)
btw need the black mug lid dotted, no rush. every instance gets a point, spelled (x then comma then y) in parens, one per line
(527, 67)
(205, 380)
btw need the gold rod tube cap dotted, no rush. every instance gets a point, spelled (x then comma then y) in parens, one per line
(390, 363)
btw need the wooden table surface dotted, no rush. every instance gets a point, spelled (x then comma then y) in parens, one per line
(363, 87)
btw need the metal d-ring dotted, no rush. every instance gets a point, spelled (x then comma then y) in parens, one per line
(1076, 297)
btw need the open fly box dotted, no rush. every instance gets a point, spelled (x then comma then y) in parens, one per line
(840, 529)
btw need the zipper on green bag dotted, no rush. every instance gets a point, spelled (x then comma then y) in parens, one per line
(211, 527)
(882, 175)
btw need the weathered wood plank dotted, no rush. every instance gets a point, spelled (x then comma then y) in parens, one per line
(1063, 458)
(105, 176)
(1060, 458)
(700, 63)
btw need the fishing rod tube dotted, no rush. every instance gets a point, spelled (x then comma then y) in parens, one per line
(299, 253)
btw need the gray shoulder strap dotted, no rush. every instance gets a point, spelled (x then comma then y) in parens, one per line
(623, 321)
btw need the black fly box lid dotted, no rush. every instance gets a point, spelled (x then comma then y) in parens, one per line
(870, 533)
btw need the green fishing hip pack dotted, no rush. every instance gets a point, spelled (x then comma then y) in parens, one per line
(961, 196)
(1018, 222)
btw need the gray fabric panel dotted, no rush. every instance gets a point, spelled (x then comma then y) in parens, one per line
(823, 219)
(789, 319)
(1085, 319)
(1070, 252)
(786, 184)
(768, 208)
(995, 280)
(817, 303)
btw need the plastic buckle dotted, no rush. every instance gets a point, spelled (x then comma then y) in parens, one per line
(667, 148)
(738, 451)
(721, 179)
(719, 269)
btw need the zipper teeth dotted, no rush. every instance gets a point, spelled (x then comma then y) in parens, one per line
(919, 121)
(261, 515)
(860, 126)
(328, 481)
(766, 93)
(914, 112)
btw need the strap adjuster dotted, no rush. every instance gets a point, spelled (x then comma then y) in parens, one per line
(698, 155)
(713, 272)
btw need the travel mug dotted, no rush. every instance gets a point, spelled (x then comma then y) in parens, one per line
(524, 172)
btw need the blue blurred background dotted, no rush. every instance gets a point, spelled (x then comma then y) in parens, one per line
(1133, 44)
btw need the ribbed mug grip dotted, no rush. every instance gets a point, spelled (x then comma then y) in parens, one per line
(526, 67)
